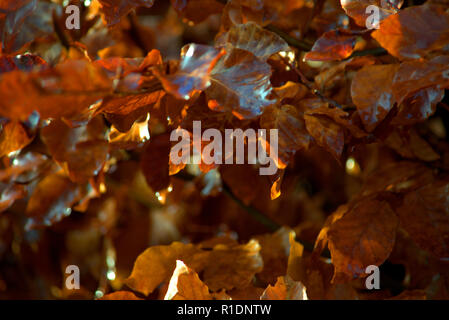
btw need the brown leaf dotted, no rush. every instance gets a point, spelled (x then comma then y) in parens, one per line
(115, 10)
(240, 262)
(253, 38)
(223, 267)
(357, 9)
(24, 21)
(274, 251)
(13, 137)
(425, 216)
(414, 31)
(84, 150)
(371, 92)
(332, 45)
(413, 76)
(26, 62)
(197, 62)
(364, 235)
(240, 83)
(136, 136)
(186, 285)
(154, 162)
(197, 10)
(63, 91)
(409, 144)
(156, 265)
(418, 107)
(10, 194)
(285, 289)
(52, 200)
(292, 133)
(326, 133)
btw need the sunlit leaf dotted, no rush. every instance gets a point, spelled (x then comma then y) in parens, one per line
(414, 31)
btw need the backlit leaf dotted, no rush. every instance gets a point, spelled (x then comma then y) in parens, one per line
(414, 31)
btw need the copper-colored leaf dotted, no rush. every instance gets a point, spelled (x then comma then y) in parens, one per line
(274, 250)
(186, 285)
(64, 91)
(364, 235)
(414, 31)
(115, 10)
(371, 92)
(357, 9)
(292, 133)
(410, 144)
(136, 136)
(425, 216)
(332, 45)
(240, 83)
(326, 133)
(253, 38)
(197, 10)
(285, 289)
(52, 200)
(155, 162)
(156, 264)
(13, 137)
(418, 106)
(84, 149)
(26, 62)
(10, 194)
(413, 76)
(197, 62)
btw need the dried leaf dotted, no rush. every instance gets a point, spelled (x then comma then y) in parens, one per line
(240, 83)
(364, 235)
(186, 285)
(253, 38)
(371, 92)
(425, 216)
(197, 62)
(13, 137)
(52, 200)
(115, 10)
(358, 9)
(155, 162)
(414, 31)
(292, 133)
(156, 264)
(285, 289)
(326, 133)
(84, 150)
(64, 91)
(197, 11)
(10, 194)
(332, 45)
